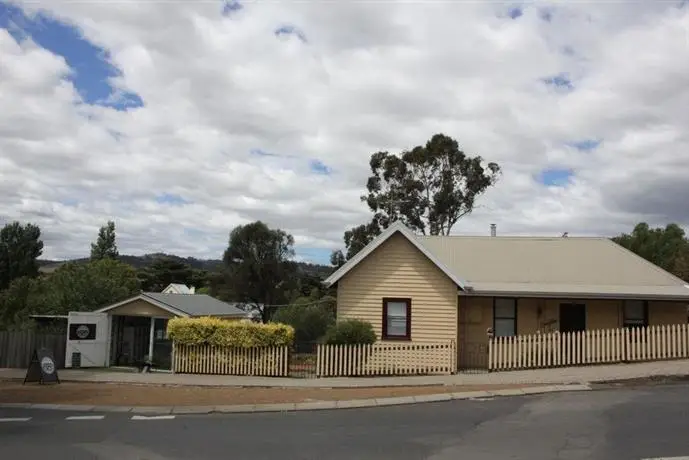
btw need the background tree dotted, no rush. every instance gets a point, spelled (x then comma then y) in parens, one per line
(105, 246)
(309, 320)
(72, 287)
(20, 247)
(258, 266)
(200, 279)
(355, 240)
(23, 297)
(220, 286)
(163, 271)
(428, 188)
(86, 287)
(666, 247)
(337, 259)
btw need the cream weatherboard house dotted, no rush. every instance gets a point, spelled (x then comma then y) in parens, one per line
(440, 288)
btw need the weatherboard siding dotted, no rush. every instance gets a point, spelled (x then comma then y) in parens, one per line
(398, 269)
(140, 308)
(660, 313)
(543, 314)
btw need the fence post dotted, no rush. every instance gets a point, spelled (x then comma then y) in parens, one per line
(491, 352)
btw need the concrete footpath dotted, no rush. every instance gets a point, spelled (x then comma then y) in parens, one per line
(532, 381)
(568, 375)
(313, 405)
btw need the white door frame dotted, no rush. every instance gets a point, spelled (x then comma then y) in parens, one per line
(152, 335)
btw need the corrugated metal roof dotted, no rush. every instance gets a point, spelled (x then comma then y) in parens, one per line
(538, 264)
(196, 304)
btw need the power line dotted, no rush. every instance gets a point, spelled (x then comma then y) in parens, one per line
(317, 302)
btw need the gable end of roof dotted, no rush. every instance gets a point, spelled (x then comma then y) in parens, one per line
(396, 227)
(145, 298)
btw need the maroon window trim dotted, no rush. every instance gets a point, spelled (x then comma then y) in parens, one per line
(406, 301)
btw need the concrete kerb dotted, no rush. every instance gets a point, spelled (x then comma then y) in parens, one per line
(311, 405)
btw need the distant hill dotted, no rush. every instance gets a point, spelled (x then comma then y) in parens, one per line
(47, 266)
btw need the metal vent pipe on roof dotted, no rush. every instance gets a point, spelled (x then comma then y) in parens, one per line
(493, 229)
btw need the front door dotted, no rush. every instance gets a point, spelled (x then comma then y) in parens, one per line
(572, 317)
(162, 346)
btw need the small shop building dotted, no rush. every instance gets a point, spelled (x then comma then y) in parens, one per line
(128, 332)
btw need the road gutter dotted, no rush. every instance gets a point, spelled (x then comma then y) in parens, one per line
(312, 405)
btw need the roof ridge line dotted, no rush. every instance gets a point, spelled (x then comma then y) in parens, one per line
(504, 237)
(146, 294)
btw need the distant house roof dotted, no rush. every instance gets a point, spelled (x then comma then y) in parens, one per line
(537, 266)
(185, 305)
(50, 268)
(177, 288)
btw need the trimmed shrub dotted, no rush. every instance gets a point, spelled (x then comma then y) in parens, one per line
(350, 332)
(222, 333)
(310, 322)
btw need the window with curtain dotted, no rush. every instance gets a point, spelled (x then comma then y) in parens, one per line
(635, 313)
(397, 319)
(504, 317)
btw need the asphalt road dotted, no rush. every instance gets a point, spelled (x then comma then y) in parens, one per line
(614, 424)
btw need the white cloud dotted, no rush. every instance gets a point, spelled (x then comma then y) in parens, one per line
(370, 76)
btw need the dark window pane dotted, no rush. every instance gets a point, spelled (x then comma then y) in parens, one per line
(504, 327)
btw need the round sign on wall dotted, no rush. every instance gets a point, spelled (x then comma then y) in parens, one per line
(82, 331)
(48, 365)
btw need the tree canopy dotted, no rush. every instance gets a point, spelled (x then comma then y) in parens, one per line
(105, 246)
(72, 287)
(163, 271)
(428, 188)
(259, 266)
(20, 247)
(666, 247)
(86, 287)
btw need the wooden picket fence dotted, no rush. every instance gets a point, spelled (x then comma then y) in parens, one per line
(205, 359)
(385, 358)
(653, 343)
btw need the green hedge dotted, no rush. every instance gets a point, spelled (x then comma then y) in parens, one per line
(223, 333)
(310, 322)
(350, 332)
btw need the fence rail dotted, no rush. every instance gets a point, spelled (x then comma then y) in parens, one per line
(205, 359)
(16, 347)
(653, 343)
(386, 359)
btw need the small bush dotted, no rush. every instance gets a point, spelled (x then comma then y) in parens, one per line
(222, 333)
(350, 331)
(310, 322)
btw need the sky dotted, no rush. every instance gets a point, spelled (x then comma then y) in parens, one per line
(181, 120)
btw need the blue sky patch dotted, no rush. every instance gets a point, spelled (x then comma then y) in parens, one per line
(314, 255)
(288, 30)
(193, 232)
(585, 144)
(318, 167)
(556, 177)
(71, 202)
(171, 199)
(90, 64)
(230, 7)
(262, 153)
(515, 12)
(559, 81)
